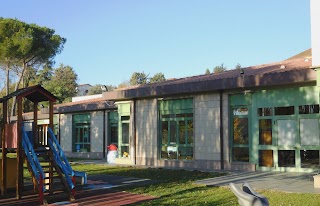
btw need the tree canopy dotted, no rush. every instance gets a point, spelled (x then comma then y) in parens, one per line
(63, 83)
(220, 68)
(141, 78)
(158, 77)
(138, 78)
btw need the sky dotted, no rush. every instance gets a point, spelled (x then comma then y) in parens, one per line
(108, 40)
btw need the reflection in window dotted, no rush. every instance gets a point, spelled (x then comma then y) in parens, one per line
(265, 158)
(114, 133)
(309, 158)
(309, 109)
(286, 158)
(190, 131)
(164, 132)
(240, 154)
(240, 111)
(309, 132)
(264, 112)
(240, 131)
(182, 132)
(265, 132)
(287, 132)
(284, 110)
(172, 132)
(177, 136)
(125, 133)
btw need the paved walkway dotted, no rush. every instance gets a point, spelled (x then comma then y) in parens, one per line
(277, 181)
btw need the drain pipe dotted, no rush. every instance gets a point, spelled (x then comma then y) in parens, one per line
(104, 134)
(221, 131)
(135, 131)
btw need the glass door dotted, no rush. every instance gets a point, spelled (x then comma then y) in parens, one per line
(240, 136)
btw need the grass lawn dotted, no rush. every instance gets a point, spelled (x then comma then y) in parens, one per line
(176, 187)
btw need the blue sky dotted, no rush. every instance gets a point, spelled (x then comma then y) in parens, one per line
(108, 40)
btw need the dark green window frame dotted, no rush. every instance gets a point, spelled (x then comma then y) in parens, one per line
(176, 129)
(81, 133)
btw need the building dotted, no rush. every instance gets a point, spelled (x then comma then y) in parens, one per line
(263, 117)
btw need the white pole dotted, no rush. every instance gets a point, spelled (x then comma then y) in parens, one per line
(315, 32)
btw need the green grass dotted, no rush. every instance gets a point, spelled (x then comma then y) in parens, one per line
(176, 187)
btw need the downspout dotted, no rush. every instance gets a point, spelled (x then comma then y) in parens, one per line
(221, 132)
(134, 133)
(104, 134)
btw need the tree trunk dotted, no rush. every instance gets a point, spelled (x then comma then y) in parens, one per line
(13, 109)
(7, 78)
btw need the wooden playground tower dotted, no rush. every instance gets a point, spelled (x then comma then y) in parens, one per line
(35, 94)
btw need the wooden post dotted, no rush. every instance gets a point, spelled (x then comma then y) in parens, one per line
(35, 125)
(19, 184)
(4, 150)
(51, 115)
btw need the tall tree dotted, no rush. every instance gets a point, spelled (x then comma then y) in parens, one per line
(220, 68)
(138, 78)
(25, 45)
(207, 71)
(158, 77)
(63, 83)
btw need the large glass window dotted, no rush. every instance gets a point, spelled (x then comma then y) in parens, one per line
(240, 131)
(81, 135)
(176, 134)
(125, 134)
(113, 128)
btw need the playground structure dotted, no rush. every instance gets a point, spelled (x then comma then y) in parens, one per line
(45, 160)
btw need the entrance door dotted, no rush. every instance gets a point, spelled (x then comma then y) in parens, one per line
(240, 136)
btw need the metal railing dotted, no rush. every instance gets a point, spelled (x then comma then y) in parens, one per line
(60, 158)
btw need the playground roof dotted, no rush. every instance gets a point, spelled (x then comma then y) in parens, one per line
(34, 93)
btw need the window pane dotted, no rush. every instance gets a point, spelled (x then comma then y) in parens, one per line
(309, 131)
(240, 131)
(265, 132)
(264, 112)
(185, 153)
(190, 131)
(240, 154)
(125, 118)
(124, 150)
(125, 133)
(182, 132)
(309, 109)
(284, 110)
(164, 132)
(266, 158)
(240, 111)
(309, 158)
(114, 134)
(164, 152)
(172, 152)
(172, 132)
(286, 158)
(286, 132)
